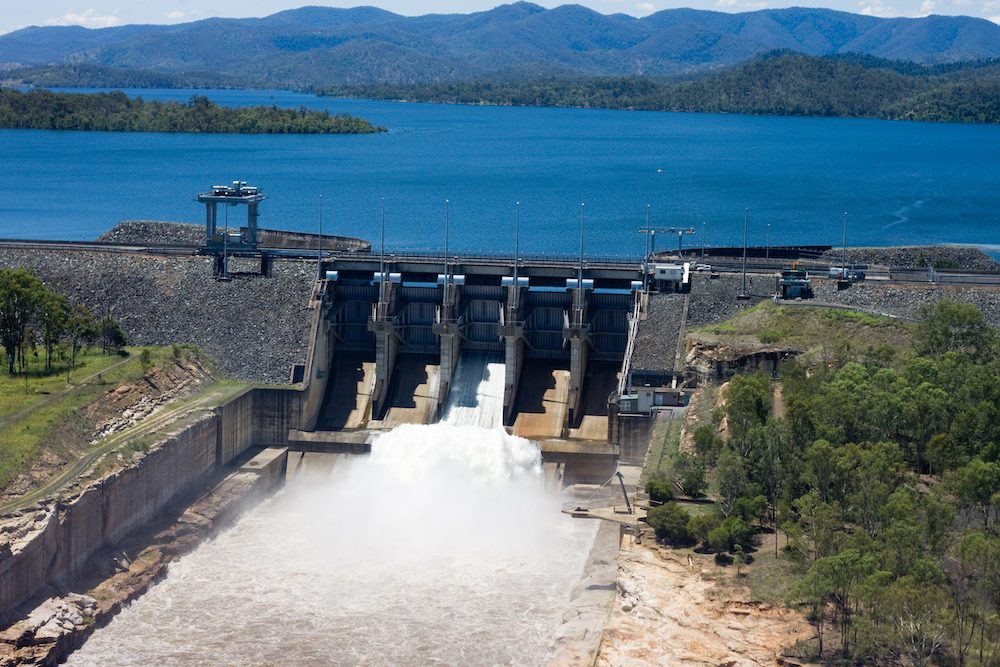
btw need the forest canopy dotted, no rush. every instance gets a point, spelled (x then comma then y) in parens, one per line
(117, 112)
(779, 84)
(880, 474)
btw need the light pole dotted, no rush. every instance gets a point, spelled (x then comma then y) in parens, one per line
(743, 290)
(645, 258)
(444, 298)
(845, 245)
(319, 253)
(381, 258)
(517, 247)
(767, 252)
(704, 238)
(579, 284)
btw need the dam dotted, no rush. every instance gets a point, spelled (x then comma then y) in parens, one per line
(390, 333)
(478, 388)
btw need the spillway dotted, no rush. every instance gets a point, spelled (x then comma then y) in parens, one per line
(441, 547)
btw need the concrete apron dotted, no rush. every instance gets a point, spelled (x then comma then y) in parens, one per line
(46, 632)
(578, 640)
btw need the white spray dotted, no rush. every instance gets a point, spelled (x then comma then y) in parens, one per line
(440, 548)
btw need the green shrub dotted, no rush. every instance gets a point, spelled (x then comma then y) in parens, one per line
(701, 525)
(670, 521)
(730, 533)
(769, 336)
(751, 509)
(659, 490)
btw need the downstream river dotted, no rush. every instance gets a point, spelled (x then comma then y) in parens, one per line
(902, 183)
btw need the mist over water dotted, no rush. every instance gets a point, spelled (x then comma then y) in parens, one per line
(440, 548)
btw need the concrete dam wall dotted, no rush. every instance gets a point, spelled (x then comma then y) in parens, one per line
(61, 535)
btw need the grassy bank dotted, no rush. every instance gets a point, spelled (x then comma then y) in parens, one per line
(50, 432)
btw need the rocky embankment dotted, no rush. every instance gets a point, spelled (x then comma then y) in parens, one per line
(155, 233)
(255, 327)
(964, 258)
(713, 300)
(906, 300)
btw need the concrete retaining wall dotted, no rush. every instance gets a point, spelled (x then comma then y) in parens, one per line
(633, 437)
(65, 535)
(235, 427)
(275, 413)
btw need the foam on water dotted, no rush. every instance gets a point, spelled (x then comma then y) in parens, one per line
(440, 548)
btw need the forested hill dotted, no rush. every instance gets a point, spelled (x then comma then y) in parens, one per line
(322, 46)
(117, 112)
(784, 84)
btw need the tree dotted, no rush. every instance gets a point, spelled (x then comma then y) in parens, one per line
(916, 615)
(977, 487)
(706, 443)
(54, 312)
(821, 523)
(112, 335)
(748, 403)
(690, 472)
(733, 480)
(670, 522)
(20, 292)
(739, 559)
(840, 574)
(949, 326)
(82, 330)
(813, 589)
(702, 524)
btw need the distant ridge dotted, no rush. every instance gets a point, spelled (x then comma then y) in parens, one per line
(321, 46)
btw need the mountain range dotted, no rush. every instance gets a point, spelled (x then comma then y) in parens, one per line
(322, 46)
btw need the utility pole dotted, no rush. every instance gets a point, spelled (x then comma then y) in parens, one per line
(743, 289)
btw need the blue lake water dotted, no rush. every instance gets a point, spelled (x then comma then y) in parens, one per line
(902, 183)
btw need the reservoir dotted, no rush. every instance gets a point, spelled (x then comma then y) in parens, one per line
(901, 182)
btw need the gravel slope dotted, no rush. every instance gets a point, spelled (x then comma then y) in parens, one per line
(256, 328)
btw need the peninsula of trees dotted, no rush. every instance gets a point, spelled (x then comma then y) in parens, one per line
(779, 83)
(117, 112)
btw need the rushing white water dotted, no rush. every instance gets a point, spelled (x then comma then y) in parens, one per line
(440, 548)
(476, 396)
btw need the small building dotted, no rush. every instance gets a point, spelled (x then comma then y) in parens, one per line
(672, 277)
(794, 284)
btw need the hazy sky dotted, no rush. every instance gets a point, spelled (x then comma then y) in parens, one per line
(16, 14)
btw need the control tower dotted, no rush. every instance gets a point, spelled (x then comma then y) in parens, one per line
(223, 243)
